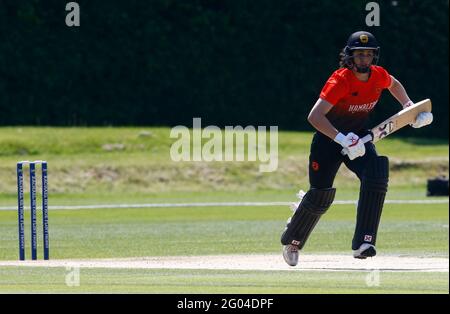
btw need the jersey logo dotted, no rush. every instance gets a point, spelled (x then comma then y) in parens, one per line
(355, 94)
(362, 108)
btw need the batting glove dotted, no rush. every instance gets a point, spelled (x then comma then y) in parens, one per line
(423, 119)
(355, 147)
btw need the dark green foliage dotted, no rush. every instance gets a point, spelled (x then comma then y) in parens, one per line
(163, 62)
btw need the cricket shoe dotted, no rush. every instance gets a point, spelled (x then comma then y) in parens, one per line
(364, 251)
(290, 254)
(294, 206)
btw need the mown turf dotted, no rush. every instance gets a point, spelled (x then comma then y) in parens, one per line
(62, 280)
(405, 229)
(133, 165)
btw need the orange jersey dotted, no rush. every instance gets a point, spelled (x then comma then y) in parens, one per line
(352, 99)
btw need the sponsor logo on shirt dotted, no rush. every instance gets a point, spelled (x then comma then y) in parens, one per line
(362, 108)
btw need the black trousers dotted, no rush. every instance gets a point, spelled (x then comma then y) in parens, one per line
(325, 159)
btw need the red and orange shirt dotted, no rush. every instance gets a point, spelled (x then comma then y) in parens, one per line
(352, 99)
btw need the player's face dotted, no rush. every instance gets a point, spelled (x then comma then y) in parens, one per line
(363, 58)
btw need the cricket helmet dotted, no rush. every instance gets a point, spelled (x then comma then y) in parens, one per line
(360, 40)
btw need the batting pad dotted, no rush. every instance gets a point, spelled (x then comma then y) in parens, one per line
(373, 190)
(313, 205)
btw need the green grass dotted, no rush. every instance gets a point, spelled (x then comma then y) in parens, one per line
(130, 161)
(53, 280)
(119, 142)
(133, 165)
(131, 232)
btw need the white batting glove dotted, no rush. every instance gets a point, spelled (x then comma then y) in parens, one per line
(423, 119)
(355, 147)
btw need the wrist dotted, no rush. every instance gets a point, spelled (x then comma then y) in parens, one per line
(408, 104)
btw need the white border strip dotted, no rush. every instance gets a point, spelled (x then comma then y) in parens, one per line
(216, 204)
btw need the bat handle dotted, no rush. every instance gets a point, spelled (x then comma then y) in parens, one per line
(365, 139)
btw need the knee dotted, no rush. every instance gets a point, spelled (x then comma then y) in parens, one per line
(376, 174)
(318, 200)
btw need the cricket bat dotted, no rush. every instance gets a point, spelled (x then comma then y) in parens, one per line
(396, 122)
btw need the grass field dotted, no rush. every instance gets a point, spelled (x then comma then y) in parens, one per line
(132, 165)
(39, 280)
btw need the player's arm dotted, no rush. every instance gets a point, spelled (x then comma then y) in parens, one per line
(317, 118)
(398, 91)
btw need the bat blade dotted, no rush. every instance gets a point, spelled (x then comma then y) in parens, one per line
(400, 119)
(395, 122)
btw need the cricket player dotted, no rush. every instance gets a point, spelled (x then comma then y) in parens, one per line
(339, 116)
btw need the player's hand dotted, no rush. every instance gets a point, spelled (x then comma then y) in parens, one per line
(352, 143)
(423, 119)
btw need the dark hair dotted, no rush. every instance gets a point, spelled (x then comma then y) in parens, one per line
(342, 60)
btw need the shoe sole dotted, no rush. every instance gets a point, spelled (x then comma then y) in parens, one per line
(370, 252)
(288, 261)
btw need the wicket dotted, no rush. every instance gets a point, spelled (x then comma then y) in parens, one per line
(32, 165)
